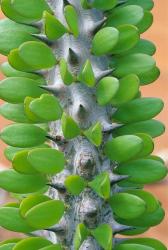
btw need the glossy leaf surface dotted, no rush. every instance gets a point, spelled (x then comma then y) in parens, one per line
(9, 89)
(69, 127)
(106, 90)
(15, 182)
(46, 160)
(75, 184)
(132, 204)
(23, 135)
(123, 148)
(103, 235)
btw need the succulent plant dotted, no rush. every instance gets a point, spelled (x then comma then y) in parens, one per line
(81, 147)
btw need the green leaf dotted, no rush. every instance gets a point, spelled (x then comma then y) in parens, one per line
(9, 89)
(26, 8)
(146, 22)
(148, 145)
(37, 54)
(128, 38)
(53, 28)
(145, 4)
(123, 96)
(156, 244)
(29, 114)
(15, 182)
(131, 14)
(66, 75)
(153, 128)
(133, 247)
(21, 165)
(7, 24)
(75, 184)
(8, 246)
(94, 134)
(8, 71)
(101, 185)
(69, 127)
(9, 11)
(17, 62)
(10, 219)
(103, 235)
(23, 135)
(46, 107)
(33, 243)
(46, 160)
(150, 76)
(129, 184)
(132, 204)
(145, 220)
(143, 46)
(106, 90)
(151, 202)
(10, 152)
(31, 201)
(45, 214)
(9, 42)
(123, 148)
(140, 109)
(14, 112)
(72, 19)
(81, 234)
(151, 171)
(132, 64)
(104, 5)
(109, 37)
(86, 74)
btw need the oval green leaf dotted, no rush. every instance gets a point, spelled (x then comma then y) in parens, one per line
(15, 182)
(123, 148)
(9, 89)
(140, 109)
(151, 171)
(132, 204)
(46, 107)
(122, 96)
(106, 90)
(23, 135)
(46, 160)
(109, 37)
(37, 54)
(152, 127)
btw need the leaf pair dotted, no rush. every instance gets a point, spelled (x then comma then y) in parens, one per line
(71, 130)
(101, 185)
(116, 40)
(135, 203)
(102, 234)
(45, 108)
(32, 56)
(39, 160)
(35, 212)
(24, 11)
(114, 91)
(40, 212)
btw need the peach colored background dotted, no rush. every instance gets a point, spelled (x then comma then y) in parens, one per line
(158, 34)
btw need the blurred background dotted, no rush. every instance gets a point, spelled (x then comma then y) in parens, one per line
(158, 33)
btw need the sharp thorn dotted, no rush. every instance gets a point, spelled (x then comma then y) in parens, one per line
(73, 57)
